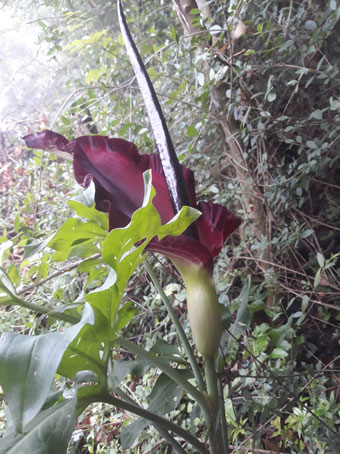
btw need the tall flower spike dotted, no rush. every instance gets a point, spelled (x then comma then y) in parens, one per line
(171, 167)
(116, 169)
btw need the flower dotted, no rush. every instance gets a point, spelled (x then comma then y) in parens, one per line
(116, 168)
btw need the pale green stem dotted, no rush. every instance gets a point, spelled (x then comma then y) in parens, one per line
(153, 418)
(211, 377)
(180, 331)
(215, 429)
(171, 372)
(106, 359)
(224, 427)
(171, 440)
(40, 309)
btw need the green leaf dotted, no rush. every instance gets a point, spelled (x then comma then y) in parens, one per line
(164, 397)
(124, 315)
(88, 265)
(191, 131)
(321, 259)
(152, 72)
(83, 250)
(278, 352)
(317, 278)
(49, 432)
(278, 335)
(125, 128)
(243, 315)
(120, 40)
(73, 233)
(167, 351)
(13, 274)
(119, 249)
(307, 233)
(200, 79)
(123, 368)
(317, 114)
(121, 254)
(7, 290)
(8, 294)
(310, 25)
(78, 45)
(28, 367)
(271, 96)
(86, 197)
(89, 212)
(173, 34)
(333, 5)
(85, 352)
(179, 223)
(4, 250)
(106, 298)
(311, 144)
(73, 230)
(305, 302)
(94, 75)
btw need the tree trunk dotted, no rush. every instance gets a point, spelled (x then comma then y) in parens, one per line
(252, 198)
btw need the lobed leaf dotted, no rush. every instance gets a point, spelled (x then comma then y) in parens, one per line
(85, 352)
(73, 234)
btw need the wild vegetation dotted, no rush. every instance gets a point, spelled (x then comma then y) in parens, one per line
(250, 91)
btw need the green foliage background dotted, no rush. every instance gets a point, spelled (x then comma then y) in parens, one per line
(277, 90)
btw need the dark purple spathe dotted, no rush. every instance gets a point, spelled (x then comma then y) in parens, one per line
(116, 168)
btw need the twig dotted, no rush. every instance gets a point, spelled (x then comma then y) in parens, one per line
(327, 184)
(64, 269)
(286, 388)
(252, 450)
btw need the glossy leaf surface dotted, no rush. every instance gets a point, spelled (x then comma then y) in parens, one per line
(29, 365)
(49, 432)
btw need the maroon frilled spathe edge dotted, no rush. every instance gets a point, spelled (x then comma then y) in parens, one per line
(116, 168)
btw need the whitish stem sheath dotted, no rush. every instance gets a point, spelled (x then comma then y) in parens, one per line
(180, 331)
(215, 433)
